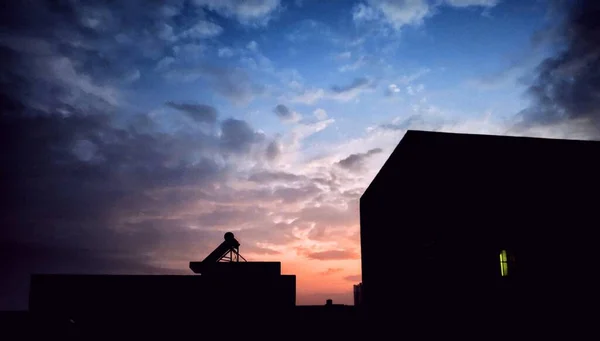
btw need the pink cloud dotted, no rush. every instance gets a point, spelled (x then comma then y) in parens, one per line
(353, 278)
(333, 255)
(331, 271)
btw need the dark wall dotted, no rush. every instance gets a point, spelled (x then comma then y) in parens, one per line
(166, 297)
(436, 217)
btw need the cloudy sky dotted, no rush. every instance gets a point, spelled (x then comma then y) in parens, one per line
(135, 133)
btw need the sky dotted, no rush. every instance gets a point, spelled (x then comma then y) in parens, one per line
(135, 133)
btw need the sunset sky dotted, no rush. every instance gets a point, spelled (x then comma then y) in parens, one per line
(135, 133)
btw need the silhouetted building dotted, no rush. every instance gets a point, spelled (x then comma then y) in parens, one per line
(222, 289)
(491, 228)
(326, 312)
(358, 295)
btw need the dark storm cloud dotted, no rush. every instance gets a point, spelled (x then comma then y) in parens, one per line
(232, 83)
(93, 46)
(357, 83)
(49, 82)
(102, 36)
(50, 187)
(80, 174)
(284, 112)
(70, 55)
(273, 150)
(566, 87)
(355, 162)
(238, 137)
(198, 112)
(68, 183)
(52, 259)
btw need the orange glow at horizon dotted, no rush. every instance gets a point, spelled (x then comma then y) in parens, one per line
(317, 279)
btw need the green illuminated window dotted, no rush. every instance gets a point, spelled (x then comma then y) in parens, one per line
(503, 263)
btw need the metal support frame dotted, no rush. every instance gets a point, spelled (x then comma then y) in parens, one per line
(233, 255)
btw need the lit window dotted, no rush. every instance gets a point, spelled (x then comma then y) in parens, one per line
(503, 263)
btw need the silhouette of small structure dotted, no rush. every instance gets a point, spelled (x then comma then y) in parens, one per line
(228, 251)
(484, 229)
(327, 312)
(224, 287)
(358, 295)
(225, 260)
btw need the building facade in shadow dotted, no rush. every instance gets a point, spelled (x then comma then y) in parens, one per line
(224, 285)
(482, 229)
(226, 296)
